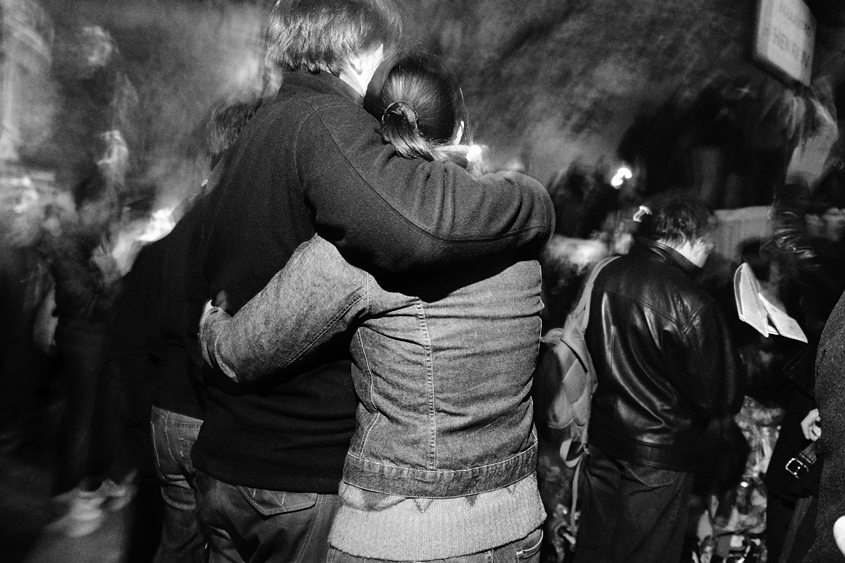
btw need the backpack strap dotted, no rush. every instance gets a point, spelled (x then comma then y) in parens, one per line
(581, 312)
(581, 315)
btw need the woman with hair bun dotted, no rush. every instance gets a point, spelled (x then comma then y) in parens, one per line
(422, 111)
(442, 463)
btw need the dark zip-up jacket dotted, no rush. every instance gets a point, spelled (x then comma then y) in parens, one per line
(312, 161)
(664, 360)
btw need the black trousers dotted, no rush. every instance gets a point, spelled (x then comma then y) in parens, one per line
(631, 513)
(83, 347)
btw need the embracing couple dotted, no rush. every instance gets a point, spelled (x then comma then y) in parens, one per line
(374, 322)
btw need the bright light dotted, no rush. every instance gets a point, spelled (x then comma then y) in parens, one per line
(160, 224)
(624, 173)
(129, 241)
(29, 197)
(474, 153)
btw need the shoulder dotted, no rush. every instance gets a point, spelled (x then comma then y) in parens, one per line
(641, 272)
(318, 119)
(656, 284)
(304, 102)
(294, 106)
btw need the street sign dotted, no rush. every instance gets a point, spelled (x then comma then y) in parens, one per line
(785, 37)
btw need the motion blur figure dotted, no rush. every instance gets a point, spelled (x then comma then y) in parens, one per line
(178, 402)
(24, 284)
(85, 278)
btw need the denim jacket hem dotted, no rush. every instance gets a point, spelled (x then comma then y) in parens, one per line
(438, 483)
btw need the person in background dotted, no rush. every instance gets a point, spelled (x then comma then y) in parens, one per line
(85, 279)
(269, 456)
(666, 367)
(24, 286)
(442, 464)
(178, 403)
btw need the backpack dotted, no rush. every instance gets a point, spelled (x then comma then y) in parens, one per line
(565, 379)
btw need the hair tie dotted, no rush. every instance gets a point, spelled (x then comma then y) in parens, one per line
(403, 110)
(641, 213)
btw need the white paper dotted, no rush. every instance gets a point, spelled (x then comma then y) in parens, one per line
(754, 309)
(783, 323)
(748, 306)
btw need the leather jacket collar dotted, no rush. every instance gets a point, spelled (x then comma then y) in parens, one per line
(667, 254)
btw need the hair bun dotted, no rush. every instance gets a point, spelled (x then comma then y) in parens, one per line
(403, 110)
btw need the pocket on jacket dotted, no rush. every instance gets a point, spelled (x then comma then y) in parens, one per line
(269, 503)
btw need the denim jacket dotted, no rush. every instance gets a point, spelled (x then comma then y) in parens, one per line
(444, 386)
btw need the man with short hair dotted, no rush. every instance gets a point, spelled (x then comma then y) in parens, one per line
(270, 456)
(665, 367)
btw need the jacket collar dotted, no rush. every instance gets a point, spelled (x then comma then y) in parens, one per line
(668, 254)
(322, 82)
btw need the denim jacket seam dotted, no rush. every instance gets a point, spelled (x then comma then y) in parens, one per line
(371, 381)
(310, 344)
(369, 289)
(368, 292)
(425, 339)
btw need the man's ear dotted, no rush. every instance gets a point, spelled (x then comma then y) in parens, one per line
(356, 63)
(366, 62)
(360, 68)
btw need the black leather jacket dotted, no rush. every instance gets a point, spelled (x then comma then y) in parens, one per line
(663, 357)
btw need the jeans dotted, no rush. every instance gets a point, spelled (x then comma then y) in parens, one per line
(525, 549)
(174, 435)
(632, 513)
(246, 525)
